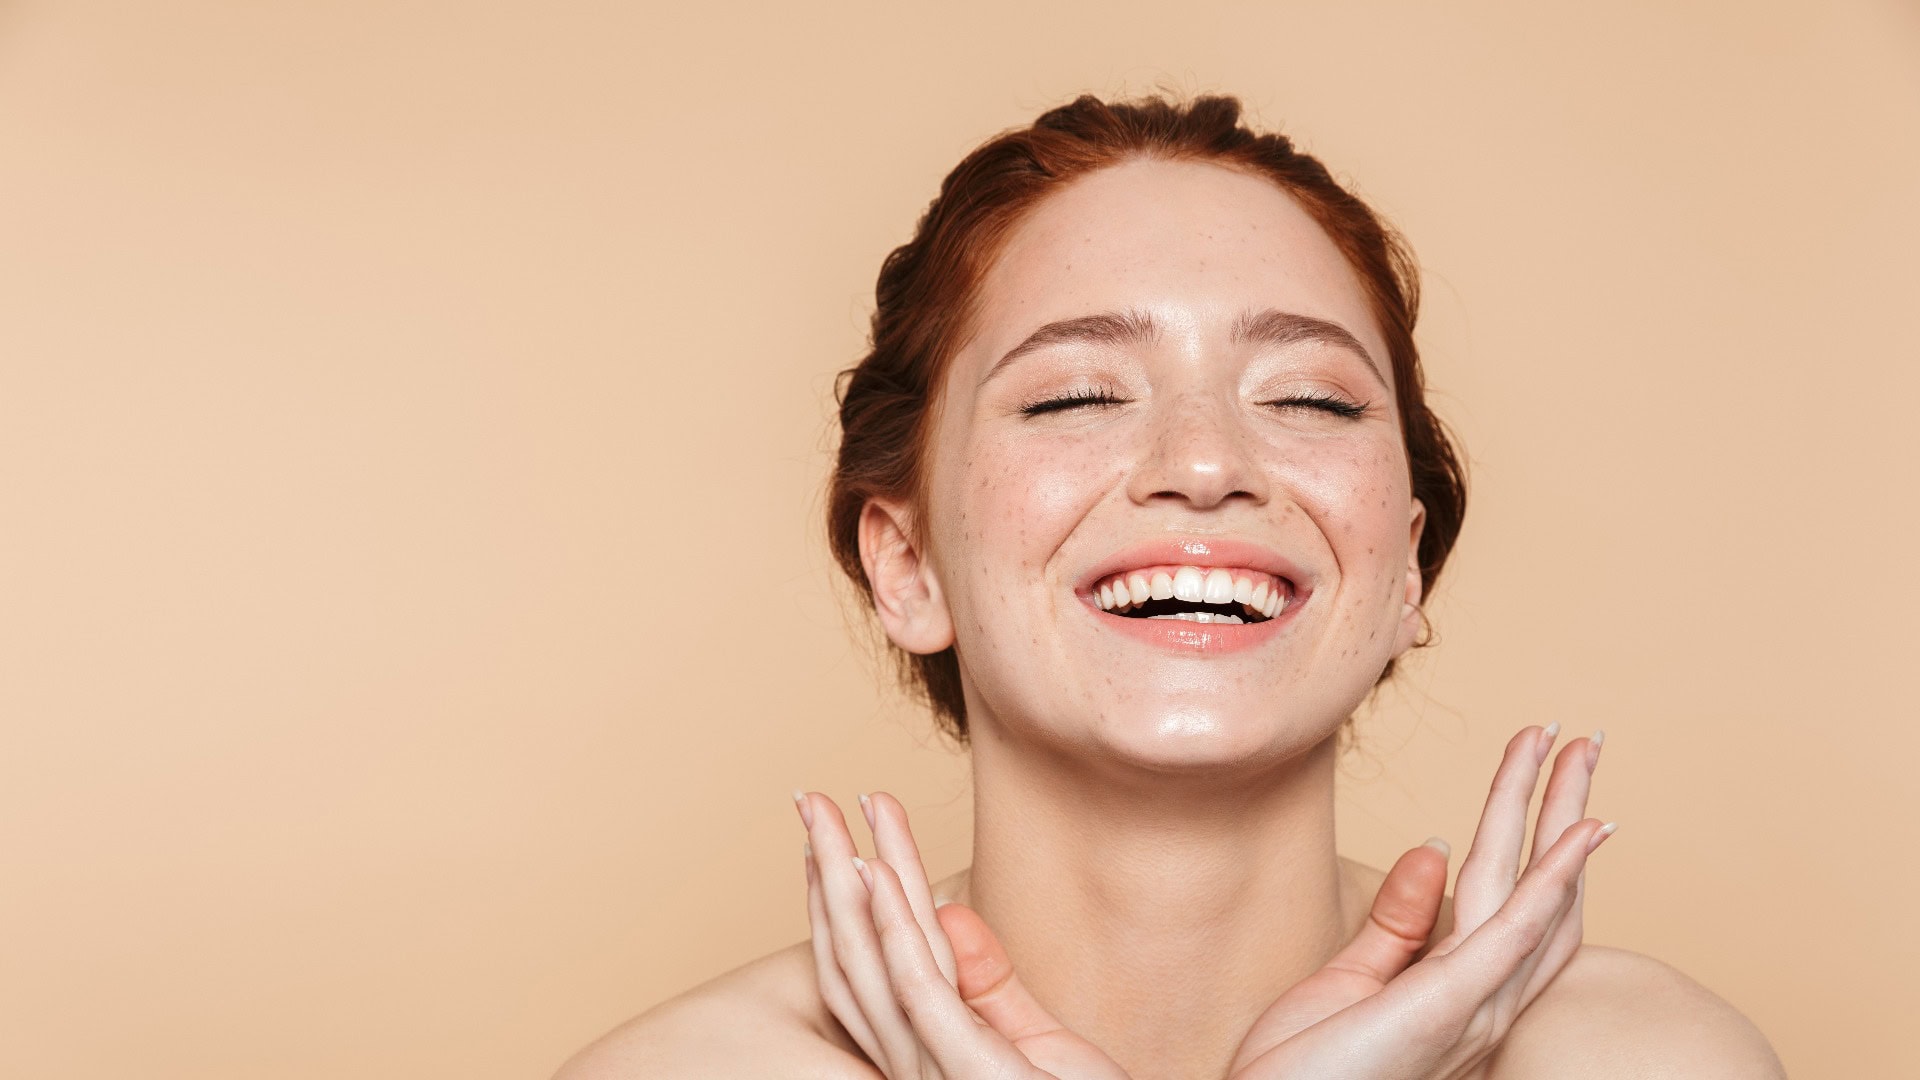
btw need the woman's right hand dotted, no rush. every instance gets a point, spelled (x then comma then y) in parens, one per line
(892, 969)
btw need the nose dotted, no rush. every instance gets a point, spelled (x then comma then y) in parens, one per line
(1198, 451)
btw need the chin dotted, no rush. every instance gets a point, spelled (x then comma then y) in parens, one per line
(1212, 735)
(1215, 717)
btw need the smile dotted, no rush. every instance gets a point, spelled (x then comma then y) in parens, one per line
(1193, 594)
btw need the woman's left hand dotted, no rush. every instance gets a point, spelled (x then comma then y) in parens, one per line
(1374, 1013)
(888, 973)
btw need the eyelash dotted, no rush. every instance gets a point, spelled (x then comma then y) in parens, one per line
(1102, 396)
(1070, 400)
(1327, 402)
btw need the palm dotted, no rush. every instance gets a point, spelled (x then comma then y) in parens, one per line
(1397, 928)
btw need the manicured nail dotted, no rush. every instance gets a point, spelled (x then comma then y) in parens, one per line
(1600, 835)
(1445, 849)
(866, 875)
(1593, 750)
(866, 807)
(806, 852)
(806, 812)
(942, 902)
(1546, 742)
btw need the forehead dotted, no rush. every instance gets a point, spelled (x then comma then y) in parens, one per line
(1194, 244)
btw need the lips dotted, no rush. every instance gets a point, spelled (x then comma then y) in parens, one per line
(1195, 594)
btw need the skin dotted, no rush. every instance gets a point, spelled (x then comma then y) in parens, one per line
(1154, 835)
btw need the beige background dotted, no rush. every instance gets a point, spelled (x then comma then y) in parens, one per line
(412, 420)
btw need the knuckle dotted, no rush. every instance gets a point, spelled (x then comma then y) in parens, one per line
(912, 992)
(1513, 781)
(1521, 932)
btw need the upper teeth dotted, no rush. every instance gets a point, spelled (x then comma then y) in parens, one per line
(1257, 592)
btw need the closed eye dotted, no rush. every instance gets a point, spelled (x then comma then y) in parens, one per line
(1071, 400)
(1324, 402)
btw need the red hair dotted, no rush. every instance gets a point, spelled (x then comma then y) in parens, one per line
(928, 288)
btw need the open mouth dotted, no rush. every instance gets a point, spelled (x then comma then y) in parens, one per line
(1194, 594)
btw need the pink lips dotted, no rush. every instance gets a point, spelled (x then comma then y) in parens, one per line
(1207, 638)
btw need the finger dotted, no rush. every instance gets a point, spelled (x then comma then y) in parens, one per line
(1493, 863)
(1545, 962)
(1567, 788)
(943, 1023)
(855, 944)
(1563, 942)
(990, 988)
(893, 843)
(1546, 958)
(833, 982)
(1402, 918)
(1496, 951)
(1564, 804)
(987, 982)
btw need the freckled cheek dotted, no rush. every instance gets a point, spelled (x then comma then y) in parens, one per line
(1025, 499)
(1360, 495)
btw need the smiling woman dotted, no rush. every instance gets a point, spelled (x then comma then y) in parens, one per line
(1140, 479)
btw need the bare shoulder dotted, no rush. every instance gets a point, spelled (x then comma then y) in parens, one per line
(760, 1020)
(1624, 1016)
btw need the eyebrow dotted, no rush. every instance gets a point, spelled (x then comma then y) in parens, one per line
(1282, 328)
(1269, 327)
(1107, 328)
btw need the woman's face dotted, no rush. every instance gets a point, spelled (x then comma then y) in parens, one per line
(1175, 386)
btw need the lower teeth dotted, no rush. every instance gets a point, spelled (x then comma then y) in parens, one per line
(1200, 617)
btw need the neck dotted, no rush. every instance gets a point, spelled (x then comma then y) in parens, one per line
(1157, 917)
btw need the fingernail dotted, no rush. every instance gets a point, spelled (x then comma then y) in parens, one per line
(866, 875)
(1600, 835)
(1593, 750)
(942, 902)
(866, 807)
(806, 812)
(1445, 849)
(806, 853)
(1546, 742)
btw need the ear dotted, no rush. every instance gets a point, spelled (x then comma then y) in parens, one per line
(906, 593)
(1410, 616)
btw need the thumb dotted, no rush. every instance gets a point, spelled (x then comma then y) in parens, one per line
(1404, 913)
(986, 979)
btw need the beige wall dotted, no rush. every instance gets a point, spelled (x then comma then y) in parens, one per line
(412, 417)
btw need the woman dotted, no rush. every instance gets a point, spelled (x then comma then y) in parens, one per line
(1140, 479)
